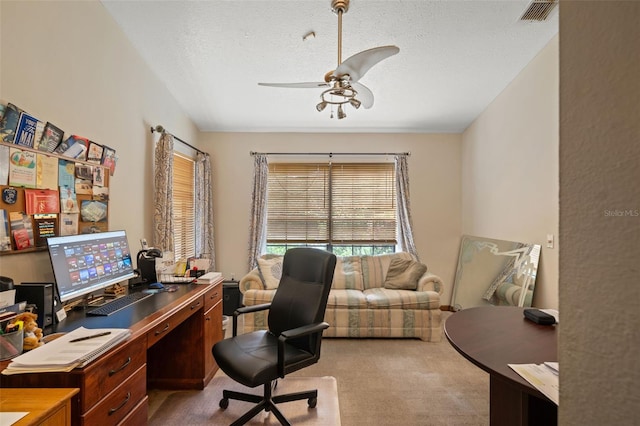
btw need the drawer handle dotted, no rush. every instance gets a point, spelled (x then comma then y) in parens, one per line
(195, 306)
(207, 319)
(113, 410)
(166, 327)
(112, 372)
(214, 295)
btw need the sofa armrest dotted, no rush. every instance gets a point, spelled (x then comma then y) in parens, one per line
(430, 282)
(251, 281)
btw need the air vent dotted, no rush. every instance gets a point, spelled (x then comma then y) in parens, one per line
(538, 10)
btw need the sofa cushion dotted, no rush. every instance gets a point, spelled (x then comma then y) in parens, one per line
(374, 268)
(346, 299)
(271, 271)
(403, 274)
(348, 274)
(382, 298)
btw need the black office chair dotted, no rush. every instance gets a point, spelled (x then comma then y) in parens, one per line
(293, 339)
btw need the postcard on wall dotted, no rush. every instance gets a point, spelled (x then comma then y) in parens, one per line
(4, 165)
(66, 173)
(93, 211)
(45, 226)
(98, 176)
(40, 201)
(84, 186)
(5, 239)
(101, 193)
(68, 224)
(46, 172)
(22, 168)
(21, 230)
(84, 172)
(68, 200)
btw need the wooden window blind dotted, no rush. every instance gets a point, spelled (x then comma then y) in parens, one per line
(183, 207)
(340, 203)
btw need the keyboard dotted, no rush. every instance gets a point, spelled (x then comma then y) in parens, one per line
(118, 304)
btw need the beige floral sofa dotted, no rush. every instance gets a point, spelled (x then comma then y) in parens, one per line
(389, 295)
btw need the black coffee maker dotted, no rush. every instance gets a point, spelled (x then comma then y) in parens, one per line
(146, 262)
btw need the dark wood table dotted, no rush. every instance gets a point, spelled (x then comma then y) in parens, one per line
(492, 337)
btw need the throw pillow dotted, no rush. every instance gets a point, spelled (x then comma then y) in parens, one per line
(271, 271)
(403, 274)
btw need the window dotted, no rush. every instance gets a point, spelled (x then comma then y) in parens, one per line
(183, 206)
(346, 208)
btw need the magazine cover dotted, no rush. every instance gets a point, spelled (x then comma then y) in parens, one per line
(26, 130)
(94, 154)
(9, 123)
(51, 138)
(40, 201)
(22, 168)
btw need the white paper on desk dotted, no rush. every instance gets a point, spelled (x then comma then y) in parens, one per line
(543, 377)
(8, 418)
(7, 298)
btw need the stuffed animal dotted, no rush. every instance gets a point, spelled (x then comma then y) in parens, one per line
(32, 333)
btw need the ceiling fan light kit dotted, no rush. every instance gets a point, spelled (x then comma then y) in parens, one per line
(343, 83)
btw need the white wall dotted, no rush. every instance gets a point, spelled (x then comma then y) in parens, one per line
(599, 175)
(69, 63)
(510, 168)
(434, 169)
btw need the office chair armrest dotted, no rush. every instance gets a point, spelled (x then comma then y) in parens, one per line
(245, 310)
(305, 330)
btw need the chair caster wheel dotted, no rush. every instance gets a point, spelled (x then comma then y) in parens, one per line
(312, 402)
(224, 403)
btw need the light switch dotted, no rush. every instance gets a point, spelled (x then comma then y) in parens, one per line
(549, 240)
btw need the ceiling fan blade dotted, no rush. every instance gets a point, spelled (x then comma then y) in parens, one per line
(357, 65)
(364, 95)
(308, 85)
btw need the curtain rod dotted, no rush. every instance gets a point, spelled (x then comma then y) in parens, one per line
(161, 129)
(330, 154)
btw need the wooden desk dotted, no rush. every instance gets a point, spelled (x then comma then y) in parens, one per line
(170, 348)
(50, 407)
(492, 337)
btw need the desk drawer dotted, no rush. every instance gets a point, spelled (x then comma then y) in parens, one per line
(212, 296)
(138, 416)
(115, 406)
(105, 374)
(165, 327)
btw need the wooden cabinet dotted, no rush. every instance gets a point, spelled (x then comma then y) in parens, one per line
(170, 348)
(212, 328)
(45, 407)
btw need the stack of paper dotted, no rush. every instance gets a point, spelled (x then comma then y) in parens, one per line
(543, 376)
(73, 350)
(209, 277)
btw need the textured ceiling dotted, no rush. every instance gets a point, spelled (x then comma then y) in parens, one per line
(455, 58)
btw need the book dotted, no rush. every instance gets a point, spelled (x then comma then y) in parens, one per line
(22, 168)
(109, 159)
(68, 200)
(75, 349)
(9, 123)
(73, 147)
(46, 172)
(94, 153)
(66, 173)
(26, 130)
(51, 138)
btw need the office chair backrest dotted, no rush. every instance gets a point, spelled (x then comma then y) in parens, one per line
(302, 294)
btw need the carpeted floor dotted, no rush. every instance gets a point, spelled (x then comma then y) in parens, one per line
(201, 407)
(379, 381)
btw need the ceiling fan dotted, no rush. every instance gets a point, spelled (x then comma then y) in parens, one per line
(343, 84)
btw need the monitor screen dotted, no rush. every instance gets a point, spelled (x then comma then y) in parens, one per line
(87, 263)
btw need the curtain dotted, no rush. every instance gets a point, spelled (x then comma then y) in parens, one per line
(204, 210)
(163, 194)
(258, 225)
(405, 227)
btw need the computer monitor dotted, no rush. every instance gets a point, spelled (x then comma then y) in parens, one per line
(87, 263)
